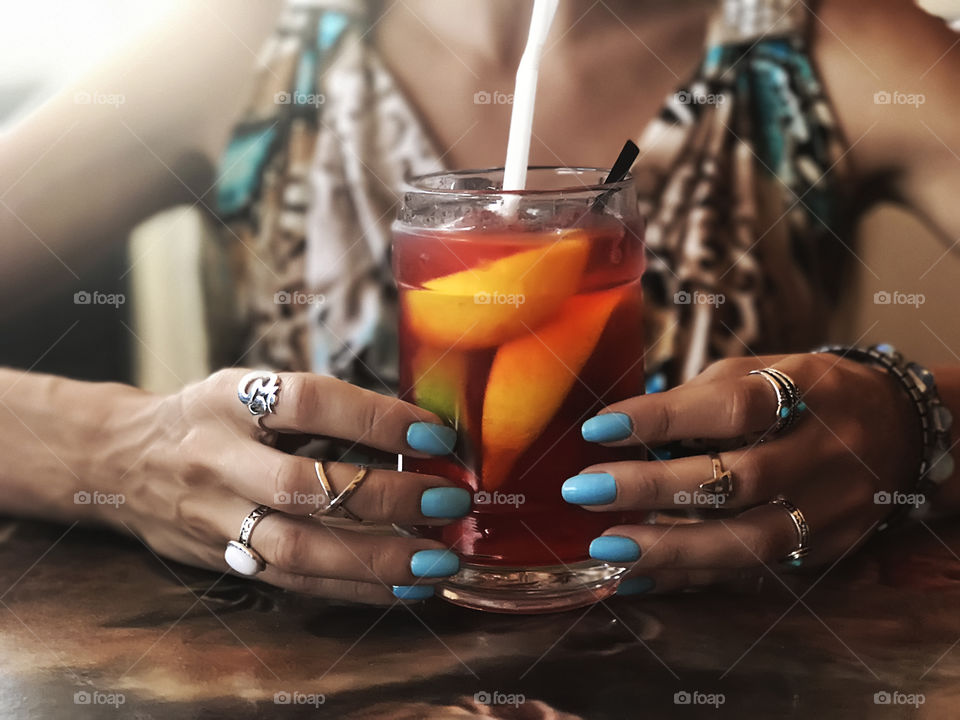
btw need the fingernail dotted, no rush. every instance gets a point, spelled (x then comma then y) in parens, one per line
(445, 502)
(614, 548)
(434, 563)
(431, 438)
(590, 489)
(607, 427)
(635, 586)
(413, 592)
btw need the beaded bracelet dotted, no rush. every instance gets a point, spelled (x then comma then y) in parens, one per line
(937, 463)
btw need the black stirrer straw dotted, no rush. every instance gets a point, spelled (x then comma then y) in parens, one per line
(625, 160)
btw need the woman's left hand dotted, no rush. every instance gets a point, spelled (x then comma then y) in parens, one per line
(858, 437)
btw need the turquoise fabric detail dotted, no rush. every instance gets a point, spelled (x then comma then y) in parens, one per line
(769, 112)
(241, 166)
(306, 75)
(329, 29)
(248, 151)
(780, 49)
(713, 59)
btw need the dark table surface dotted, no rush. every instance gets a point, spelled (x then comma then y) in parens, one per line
(89, 619)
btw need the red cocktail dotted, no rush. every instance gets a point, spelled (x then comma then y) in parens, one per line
(520, 319)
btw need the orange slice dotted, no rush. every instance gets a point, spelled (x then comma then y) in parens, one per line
(532, 375)
(489, 304)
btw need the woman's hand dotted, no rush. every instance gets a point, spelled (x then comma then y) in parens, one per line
(860, 436)
(191, 466)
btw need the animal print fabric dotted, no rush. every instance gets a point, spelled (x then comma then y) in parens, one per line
(738, 177)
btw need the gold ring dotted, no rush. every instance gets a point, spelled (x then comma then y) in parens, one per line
(721, 484)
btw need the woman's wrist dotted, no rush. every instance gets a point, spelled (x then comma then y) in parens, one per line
(65, 442)
(932, 419)
(948, 380)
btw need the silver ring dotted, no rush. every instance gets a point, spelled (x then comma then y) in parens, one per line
(259, 391)
(789, 402)
(795, 558)
(335, 504)
(239, 555)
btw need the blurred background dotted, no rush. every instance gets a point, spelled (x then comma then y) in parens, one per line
(50, 48)
(49, 45)
(45, 46)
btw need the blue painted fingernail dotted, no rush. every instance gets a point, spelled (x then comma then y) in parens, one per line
(434, 563)
(431, 438)
(590, 489)
(607, 427)
(635, 586)
(413, 592)
(445, 502)
(614, 548)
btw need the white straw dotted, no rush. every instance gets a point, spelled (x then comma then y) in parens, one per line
(524, 94)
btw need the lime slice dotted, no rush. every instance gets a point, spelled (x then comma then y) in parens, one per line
(439, 383)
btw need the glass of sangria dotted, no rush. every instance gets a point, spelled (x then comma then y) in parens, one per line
(520, 317)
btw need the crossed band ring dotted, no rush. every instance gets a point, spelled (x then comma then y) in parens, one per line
(721, 484)
(795, 557)
(789, 403)
(259, 391)
(334, 504)
(239, 554)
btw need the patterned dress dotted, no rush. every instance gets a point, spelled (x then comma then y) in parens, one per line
(740, 178)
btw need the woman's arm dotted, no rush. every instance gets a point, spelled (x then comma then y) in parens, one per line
(182, 472)
(59, 437)
(75, 177)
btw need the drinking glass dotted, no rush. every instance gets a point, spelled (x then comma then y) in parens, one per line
(520, 317)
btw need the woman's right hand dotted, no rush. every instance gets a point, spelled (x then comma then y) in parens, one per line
(191, 466)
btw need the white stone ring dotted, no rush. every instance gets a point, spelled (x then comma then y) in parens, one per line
(239, 555)
(259, 390)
